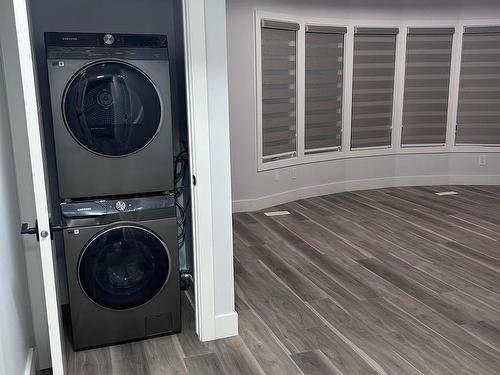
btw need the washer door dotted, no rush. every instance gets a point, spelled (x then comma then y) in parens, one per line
(124, 267)
(112, 109)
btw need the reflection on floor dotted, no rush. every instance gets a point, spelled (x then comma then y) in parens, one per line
(390, 281)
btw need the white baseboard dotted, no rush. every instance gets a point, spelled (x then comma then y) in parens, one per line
(30, 368)
(226, 325)
(254, 204)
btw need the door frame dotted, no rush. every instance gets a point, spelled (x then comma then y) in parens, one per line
(201, 188)
(32, 116)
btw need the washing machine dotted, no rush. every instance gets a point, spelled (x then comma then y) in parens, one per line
(111, 111)
(122, 269)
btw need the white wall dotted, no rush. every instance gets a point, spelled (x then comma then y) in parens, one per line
(254, 190)
(16, 329)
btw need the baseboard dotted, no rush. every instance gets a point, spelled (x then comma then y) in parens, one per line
(255, 204)
(30, 368)
(226, 325)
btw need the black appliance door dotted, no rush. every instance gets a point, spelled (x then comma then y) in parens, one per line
(124, 267)
(112, 109)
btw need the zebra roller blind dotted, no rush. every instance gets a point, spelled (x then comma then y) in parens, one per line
(373, 86)
(427, 83)
(279, 90)
(324, 62)
(478, 120)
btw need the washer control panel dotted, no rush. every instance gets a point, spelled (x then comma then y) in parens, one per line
(115, 206)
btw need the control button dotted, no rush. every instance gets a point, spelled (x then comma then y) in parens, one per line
(120, 205)
(109, 39)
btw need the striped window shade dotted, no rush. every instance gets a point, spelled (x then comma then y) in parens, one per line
(279, 90)
(324, 60)
(427, 84)
(373, 87)
(478, 120)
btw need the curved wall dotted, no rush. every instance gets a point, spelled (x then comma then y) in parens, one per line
(254, 190)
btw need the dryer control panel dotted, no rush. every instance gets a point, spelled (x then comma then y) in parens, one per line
(104, 207)
(67, 46)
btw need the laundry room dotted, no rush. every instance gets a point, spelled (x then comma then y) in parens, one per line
(116, 116)
(111, 79)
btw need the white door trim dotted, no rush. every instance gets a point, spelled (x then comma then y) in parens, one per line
(32, 113)
(198, 125)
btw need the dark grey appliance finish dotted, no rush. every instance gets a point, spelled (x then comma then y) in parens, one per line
(102, 207)
(111, 113)
(130, 16)
(123, 269)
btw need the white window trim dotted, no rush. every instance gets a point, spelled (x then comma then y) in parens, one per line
(387, 149)
(259, 16)
(399, 89)
(454, 75)
(399, 80)
(335, 150)
(300, 76)
(462, 147)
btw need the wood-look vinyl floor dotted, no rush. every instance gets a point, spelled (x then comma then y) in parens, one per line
(390, 281)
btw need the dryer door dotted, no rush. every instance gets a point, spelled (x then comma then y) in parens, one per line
(112, 109)
(124, 267)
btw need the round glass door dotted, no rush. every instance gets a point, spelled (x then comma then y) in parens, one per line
(112, 109)
(124, 267)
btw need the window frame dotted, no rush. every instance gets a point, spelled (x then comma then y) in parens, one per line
(260, 89)
(394, 92)
(258, 66)
(398, 97)
(464, 147)
(336, 149)
(444, 147)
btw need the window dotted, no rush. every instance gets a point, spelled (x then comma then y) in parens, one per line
(478, 120)
(324, 60)
(279, 90)
(427, 83)
(373, 87)
(303, 71)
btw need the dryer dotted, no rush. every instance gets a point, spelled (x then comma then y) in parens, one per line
(122, 269)
(111, 111)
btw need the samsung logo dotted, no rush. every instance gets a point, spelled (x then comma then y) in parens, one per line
(69, 38)
(84, 209)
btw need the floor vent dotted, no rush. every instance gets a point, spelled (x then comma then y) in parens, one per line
(447, 193)
(277, 213)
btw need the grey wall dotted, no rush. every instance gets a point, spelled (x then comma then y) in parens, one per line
(125, 16)
(252, 189)
(16, 330)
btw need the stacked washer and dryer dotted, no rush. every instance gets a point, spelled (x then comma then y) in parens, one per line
(112, 123)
